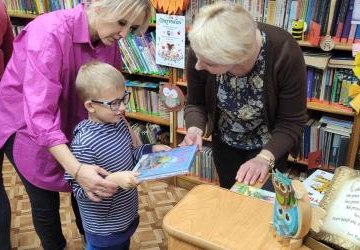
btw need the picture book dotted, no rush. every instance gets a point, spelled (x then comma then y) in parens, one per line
(317, 184)
(341, 202)
(164, 164)
(255, 192)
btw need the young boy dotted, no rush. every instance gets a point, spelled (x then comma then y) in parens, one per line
(104, 140)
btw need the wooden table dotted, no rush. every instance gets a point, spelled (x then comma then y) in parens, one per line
(210, 217)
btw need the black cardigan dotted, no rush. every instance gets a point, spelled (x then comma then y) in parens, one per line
(284, 93)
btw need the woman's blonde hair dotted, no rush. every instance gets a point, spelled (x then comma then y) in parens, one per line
(94, 77)
(115, 10)
(224, 33)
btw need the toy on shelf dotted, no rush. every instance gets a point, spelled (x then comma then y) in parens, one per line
(172, 97)
(297, 29)
(293, 215)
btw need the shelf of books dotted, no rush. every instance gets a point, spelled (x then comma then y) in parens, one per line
(161, 77)
(331, 136)
(13, 14)
(326, 107)
(148, 118)
(337, 46)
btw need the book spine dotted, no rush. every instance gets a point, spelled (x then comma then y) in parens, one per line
(347, 23)
(341, 20)
(351, 36)
(357, 34)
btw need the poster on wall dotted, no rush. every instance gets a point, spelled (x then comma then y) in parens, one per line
(170, 40)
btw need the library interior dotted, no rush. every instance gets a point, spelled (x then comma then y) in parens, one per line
(236, 124)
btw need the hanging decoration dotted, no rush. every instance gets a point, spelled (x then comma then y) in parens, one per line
(171, 7)
(171, 97)
(354, 89)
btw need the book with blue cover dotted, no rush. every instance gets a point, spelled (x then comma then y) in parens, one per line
(164, 164)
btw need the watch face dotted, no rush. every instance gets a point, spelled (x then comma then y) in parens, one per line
(327, 43)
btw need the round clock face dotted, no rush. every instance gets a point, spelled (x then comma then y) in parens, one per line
(327, 43)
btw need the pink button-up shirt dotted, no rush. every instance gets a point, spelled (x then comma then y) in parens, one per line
(38, 100)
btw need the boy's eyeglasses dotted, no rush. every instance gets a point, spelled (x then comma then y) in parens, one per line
(115, 104)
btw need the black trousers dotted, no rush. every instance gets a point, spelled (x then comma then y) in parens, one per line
(45, 211)
(228, 160)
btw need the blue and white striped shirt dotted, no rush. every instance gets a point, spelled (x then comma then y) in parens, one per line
(110, 147)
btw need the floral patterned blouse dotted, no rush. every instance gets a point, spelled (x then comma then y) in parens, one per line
(241, 109)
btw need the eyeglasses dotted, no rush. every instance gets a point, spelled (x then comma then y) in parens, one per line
(115, 104)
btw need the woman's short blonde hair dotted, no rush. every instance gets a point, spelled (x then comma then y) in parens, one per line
(94, 77)
(115, 10)
(224, 33)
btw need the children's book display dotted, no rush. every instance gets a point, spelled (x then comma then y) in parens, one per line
(293, 215)
(342, 205)
(258, 193)
(317, 184)
(166, 163)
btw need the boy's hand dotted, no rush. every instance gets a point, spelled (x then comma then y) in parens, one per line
(124, 179)
(160, 147)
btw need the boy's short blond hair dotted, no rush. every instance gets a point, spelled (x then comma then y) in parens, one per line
(224, 33)
(115, 10)
(94, 77)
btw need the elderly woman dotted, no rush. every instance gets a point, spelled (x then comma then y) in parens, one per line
(246, 87)
(39, 107)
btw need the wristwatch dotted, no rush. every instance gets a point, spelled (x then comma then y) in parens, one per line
(270, 160)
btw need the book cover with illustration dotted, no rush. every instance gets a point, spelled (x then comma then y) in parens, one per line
(317, 184)
(255, 192)
(166, 163)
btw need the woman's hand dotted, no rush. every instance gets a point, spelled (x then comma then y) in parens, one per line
(160, 147)
(193, 137)
(124, 179)
(90, 178)
(255, 169)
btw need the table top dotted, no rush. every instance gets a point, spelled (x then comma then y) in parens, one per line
(211, 217)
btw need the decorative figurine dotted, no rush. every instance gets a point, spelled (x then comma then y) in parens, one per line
(293, 215)
(172, 97)
(298, 28)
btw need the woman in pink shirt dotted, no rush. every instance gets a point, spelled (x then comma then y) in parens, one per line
(6, 48)
(39, 107)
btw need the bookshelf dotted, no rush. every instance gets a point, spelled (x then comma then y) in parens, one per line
(314, 107)
(13, 14)
(148, 118)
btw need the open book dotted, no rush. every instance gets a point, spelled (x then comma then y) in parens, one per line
(166, 163)
(317, 184)
(258, 193)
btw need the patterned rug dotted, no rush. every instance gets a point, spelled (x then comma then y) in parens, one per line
(156, 199)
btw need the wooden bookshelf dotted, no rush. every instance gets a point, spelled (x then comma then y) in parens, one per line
(148, 118)
(329, 108)
(21, 15)
(295, 160)
(147, 75)
(183, 84)
(338, 46)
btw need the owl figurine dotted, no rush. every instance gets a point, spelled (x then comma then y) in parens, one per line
(293, 215)
(172, 97)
